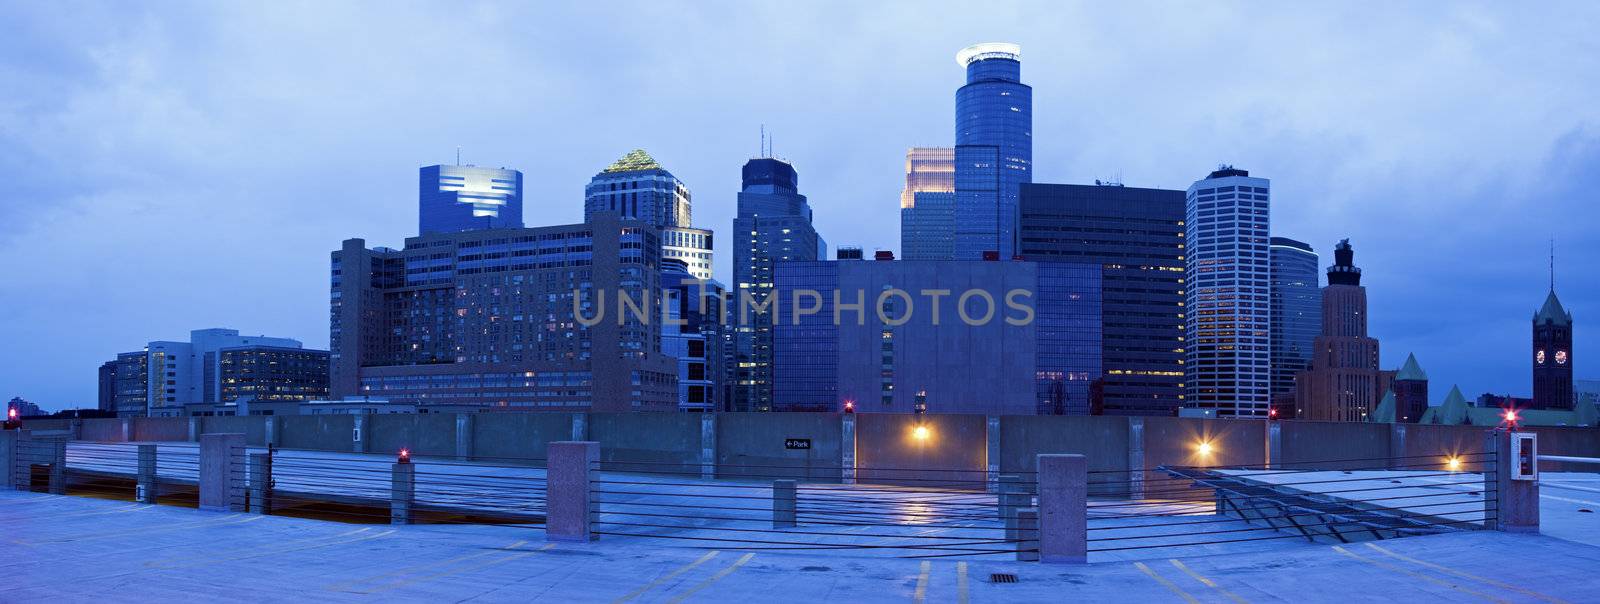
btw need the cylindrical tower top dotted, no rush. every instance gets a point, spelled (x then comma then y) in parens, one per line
(1344, 270)
(988, 50)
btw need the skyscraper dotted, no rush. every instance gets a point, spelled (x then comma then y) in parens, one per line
(1136, 236)
(773, 225)
(1296, 308)
(928, 204)
(108, 387)
(1343, 383)
(637, 187)
(465, 198)
(1228, 358)
(994, 149)
(1552, 355)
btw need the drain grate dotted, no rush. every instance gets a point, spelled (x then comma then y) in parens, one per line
(1002, 578)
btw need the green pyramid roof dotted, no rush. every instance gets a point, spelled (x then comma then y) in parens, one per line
(1411, 370)
(1384, 413)
(1552, 311)
(636, 159)
(1454, 411)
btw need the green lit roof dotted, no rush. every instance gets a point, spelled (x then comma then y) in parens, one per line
(1384, 413)
(1454, 411)
(1411, 370)
(1553, 312)
(635, 160)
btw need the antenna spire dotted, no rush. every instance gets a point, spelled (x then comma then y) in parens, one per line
(458, 155)
(762, 151)
(1552, 265)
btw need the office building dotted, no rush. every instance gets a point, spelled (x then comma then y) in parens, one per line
(637, 187)
(23, 408)
(994, 150)
(1343, 382)
(694, 333)
(928, 204)
(1552, 355)
(132, 384)
(213, 366)
(269, 373)
(773, 226)
(107, 399)
(465, 198)
(488, 318)
(876, 338)
(1228, 359)
(1136, 236)
(1296, 311)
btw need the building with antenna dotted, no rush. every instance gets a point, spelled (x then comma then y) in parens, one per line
(1552, 355)
(773, 225)
(459, 198)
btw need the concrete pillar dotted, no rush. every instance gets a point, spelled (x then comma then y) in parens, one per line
(76, 429)
(9, 463)
(126, 429)
(194, 429)
(402, 493)
(783, 503)
(270, 425)
(358, 435)
(992, 454)
(1012, 498)
(261, 483)
(569, 505)
(1274, 443)
(580, 427)
(464, 436)
(1397, 446)
(1063, 508)
(146, 489)
(1136, 458)
(1514, 506)
(58, 467)
(708, 446)
(1027, 538)
(847, 449)
(221, 472)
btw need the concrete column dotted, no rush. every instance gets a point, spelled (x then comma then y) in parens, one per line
(402, 493)
(76, 429)
(270, 423)
(992, 454)
(358, 435)
(146, 489)
(783, 504)
(569, 505)
(1063, 508)
(9, 463)
(1274, 443)
(847, 449)
(194, 429)
(1397, 446)
(580, 427)
(127, 429)
(708, 446)
(221, 458)
(1136, 458)
(261, 483)
(1012, 498)
(58, 467)
(463, 436)
(1027, 538)
(1514, 506)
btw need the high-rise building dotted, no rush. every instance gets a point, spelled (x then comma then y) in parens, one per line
(1136, 236)
(107, 399)
(215, 366)
(490, 318)
(1552, 355)
(465, 198)
(1296, 308)
(133, 384)
(637, 187)
(994, 149)
(694, 333)
(928, 204)
(269, 373)
(1343, 383)
(773, 225)
(1228, 356)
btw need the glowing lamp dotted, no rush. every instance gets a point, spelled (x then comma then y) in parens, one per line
(405, 456)
(1454, 463)
(1511, 416)
(920, 433)
(1204, 448)
(11, 413)
(849, 406)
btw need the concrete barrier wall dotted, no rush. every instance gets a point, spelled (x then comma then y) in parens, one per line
(424, 434)
(1175, 441)
(253, 427)
(1333, 445)
(1575, 442)
(319, 432)
(510, 437)
(161, 428)
(1102, 440)
(42, 425)
(102, 430)
(648, 442)
(955, 450)
(751, 445)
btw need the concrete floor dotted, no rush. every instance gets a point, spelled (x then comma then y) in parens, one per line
(66, 549)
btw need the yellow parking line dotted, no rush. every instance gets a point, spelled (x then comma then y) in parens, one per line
(714, 578)
(1464, 575)
(922, 582)
(1204, 581)
(961, 582)
(457, 571)
(667, 577)
(415, 567)
(1173, 587)
(1418, 575)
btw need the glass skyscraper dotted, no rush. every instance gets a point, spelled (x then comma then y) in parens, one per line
(1296, 309)
(466, 198)
(636, 186)
(773, 225)
(928, 204)
(994, 149)
(1228, 357)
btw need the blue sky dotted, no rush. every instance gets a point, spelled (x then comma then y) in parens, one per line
(174, 166)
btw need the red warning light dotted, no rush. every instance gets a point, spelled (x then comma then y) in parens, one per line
(11, 413)
(849, 406)
(1511, 417)
(405, 456)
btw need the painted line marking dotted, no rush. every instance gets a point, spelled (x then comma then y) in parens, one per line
(415, 567)
(667, 577)
(457, 571)
(714, 578)
(922, 582)
(961, 582)
(1465, 575)
(1172, 587)
(1386, 565)
(1206, 582)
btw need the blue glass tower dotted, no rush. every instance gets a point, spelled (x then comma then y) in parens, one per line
(1295, 308)
(994, 149)
(773, 227)
(467, 198)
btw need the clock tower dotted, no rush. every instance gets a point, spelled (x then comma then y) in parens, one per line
(1552, 355)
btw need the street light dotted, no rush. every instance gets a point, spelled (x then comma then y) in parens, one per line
(921, 433)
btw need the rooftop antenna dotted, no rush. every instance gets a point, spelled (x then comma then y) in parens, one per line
(762, 151)
(1552, 264)
(458, 155)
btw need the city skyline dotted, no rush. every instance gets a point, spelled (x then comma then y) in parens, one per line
(124, 233)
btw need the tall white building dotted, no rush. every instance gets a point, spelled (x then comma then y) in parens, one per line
(1228, 359)
(191, 372)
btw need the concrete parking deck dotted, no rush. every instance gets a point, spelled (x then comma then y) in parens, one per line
(75, 549)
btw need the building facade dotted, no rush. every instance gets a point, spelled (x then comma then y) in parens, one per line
(212, 365)
(1343, 382)
(1136, 236)
(1296, 314)
(1552, 355)
(869, 333)
(1410, 389)
(107, 399)
(928, 204)
(269, 373)
(994, 150)
(695, 334)
(533, 318)
(773, 226)
(637, 187)
(1228, 352)
(133, 384)
(464, 198)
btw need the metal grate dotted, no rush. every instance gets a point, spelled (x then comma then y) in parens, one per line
(1002, 578)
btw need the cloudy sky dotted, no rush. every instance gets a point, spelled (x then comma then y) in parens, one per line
(173, 166)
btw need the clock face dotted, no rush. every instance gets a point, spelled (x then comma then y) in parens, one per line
(1561, 357)
(1538, 357)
